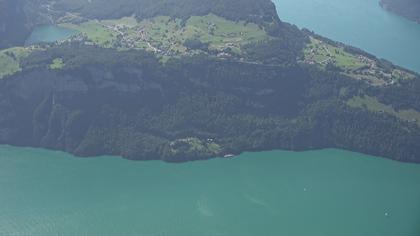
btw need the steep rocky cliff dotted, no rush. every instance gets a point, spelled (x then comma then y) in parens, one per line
(129, 104)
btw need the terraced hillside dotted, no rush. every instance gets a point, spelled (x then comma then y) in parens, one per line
(357, 65)
(171, 36)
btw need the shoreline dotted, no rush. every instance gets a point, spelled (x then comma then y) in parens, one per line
(233, 157)
(389, 9)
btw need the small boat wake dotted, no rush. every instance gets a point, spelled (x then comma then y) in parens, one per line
(255, 200)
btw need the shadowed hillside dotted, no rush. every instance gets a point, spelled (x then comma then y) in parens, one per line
(181, 80)
(13, 30)
(407, 8)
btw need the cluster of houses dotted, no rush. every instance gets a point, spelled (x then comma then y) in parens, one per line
(370, 70)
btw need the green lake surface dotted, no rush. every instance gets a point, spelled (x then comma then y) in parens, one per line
(49, 33)
(360, 23)
(317, 193)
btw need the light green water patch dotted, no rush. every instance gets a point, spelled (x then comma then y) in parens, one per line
(319, 193)
(49, 34)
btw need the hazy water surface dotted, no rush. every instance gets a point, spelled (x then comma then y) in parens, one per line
(49, 33)
(360, 23)
(317, 193)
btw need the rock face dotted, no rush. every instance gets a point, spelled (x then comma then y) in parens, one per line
(191, 109)
(407, 8)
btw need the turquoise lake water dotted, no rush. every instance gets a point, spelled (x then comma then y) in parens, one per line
(317, 193)
(360, 23)
(49, 33)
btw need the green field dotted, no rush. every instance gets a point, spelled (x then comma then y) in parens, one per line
(10, 60)
(402, 75)
(356, 66)
(219, 32)
(95, 32)
(56, 64)
(166, 35)
(127, 21)
(323, 53)
(372, 104)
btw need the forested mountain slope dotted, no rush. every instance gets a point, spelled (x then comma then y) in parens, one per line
(183, 80)
(13, 30)
(233, 10)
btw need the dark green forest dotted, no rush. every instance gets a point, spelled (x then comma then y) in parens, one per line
(128, 103)
(254, 11)
(13, 29)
